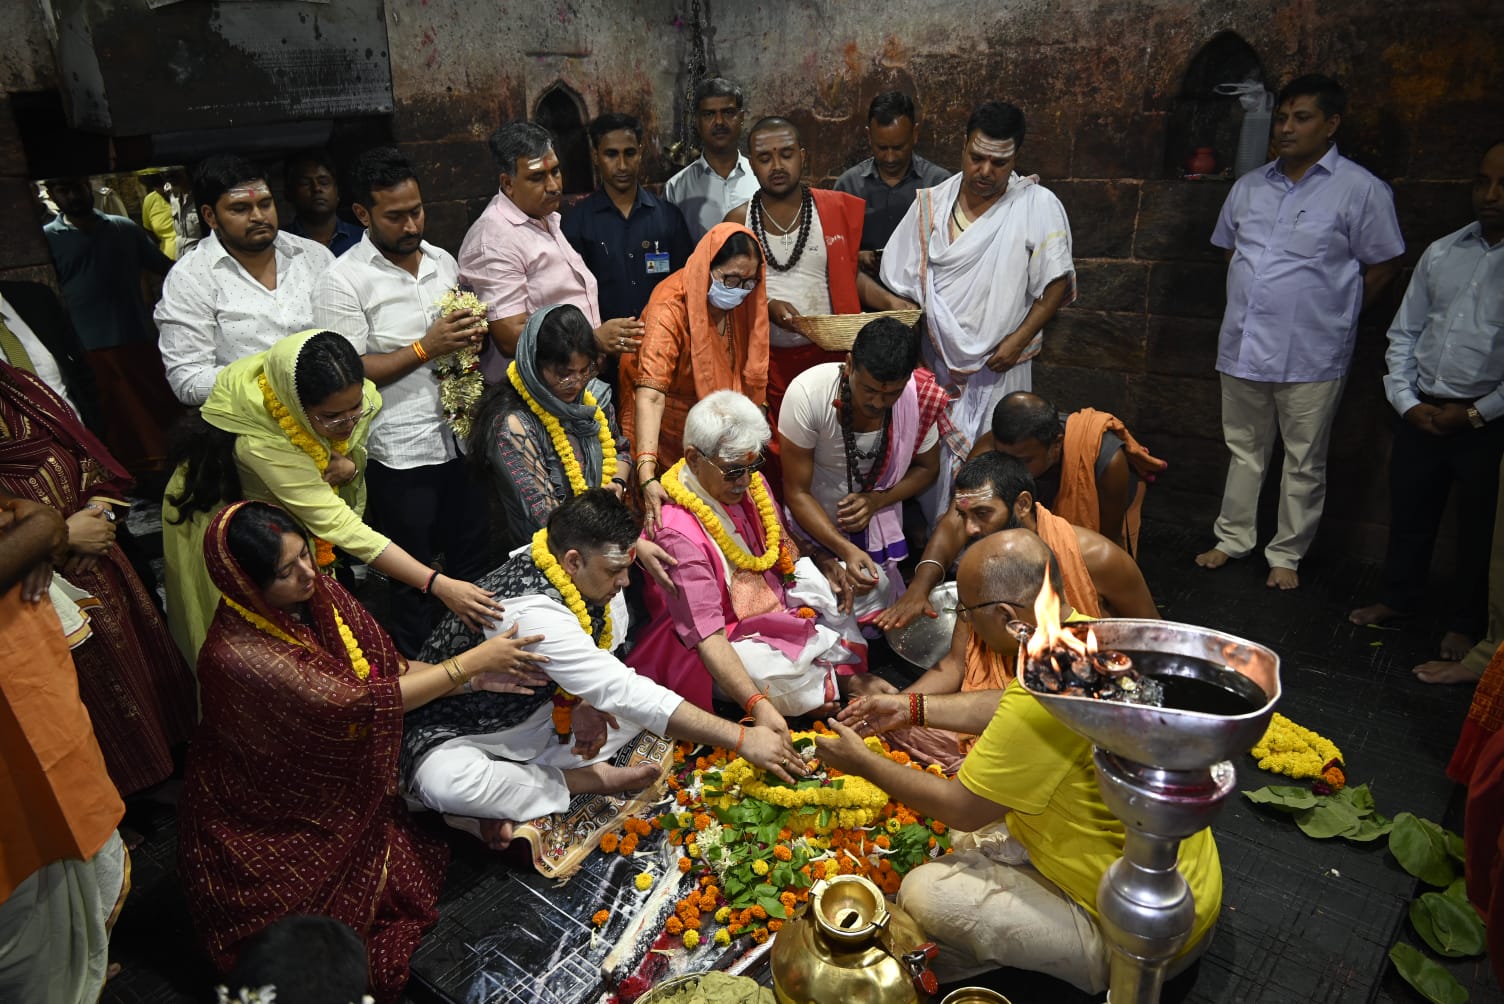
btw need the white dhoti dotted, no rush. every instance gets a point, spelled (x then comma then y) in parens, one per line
(976, 290)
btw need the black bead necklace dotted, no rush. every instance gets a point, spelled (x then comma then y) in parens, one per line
(854, 477)
(806, 219)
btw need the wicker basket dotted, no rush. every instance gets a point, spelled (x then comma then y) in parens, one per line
(837, 332)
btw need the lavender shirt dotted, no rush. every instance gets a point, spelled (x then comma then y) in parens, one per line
(1295, 283)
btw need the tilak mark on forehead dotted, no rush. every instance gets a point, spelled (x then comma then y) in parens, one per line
(966, 499)
(986, 146)
(252, 190)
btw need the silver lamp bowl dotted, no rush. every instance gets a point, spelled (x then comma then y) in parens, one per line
(925, 641)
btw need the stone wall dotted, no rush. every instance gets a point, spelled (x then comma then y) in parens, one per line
(1105, 88)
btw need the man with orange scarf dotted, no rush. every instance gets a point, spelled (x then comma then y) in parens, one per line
(811, 238)
(994, 492)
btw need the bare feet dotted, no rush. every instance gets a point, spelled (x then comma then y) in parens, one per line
(606, 779)
(1215, 558)
(1282, 578)
(1455, 645)
(1376, 613)
(1443, 671)
(497, 833)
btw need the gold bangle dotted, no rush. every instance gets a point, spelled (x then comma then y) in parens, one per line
(452, 668)
(419, 351)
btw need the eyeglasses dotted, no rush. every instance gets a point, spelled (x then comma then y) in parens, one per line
(737, 473)
(736, 281)
(347, 421)
(574, 378)
(963, 612)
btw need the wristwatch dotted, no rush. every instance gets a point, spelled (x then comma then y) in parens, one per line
(1475, 419)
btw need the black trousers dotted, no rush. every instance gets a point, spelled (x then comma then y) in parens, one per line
(428, 511)
(1423, 469)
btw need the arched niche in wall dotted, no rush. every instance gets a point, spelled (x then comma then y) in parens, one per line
(1199, 116)
(561, 111)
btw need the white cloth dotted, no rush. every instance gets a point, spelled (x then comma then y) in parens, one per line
(517, 773)
(54, 938)
(705, 198)
(975, 291)
(1302, 414)
(1448, 338)
(806, 285)
(212, 311)
(381, 307)
(42, 360)
(808, 419)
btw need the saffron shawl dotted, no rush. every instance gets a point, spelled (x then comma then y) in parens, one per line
(290, 799)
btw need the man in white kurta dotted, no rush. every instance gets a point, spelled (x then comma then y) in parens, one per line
(987, 254)
(523, 771)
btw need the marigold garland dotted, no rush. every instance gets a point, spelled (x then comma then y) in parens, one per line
(1289, 749)
(857, 802)
(358, 661)
(299, 436)
(735, 553)
(461, 382)
(571, 463)
(563, 701)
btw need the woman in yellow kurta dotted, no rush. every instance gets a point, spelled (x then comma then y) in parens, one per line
(286, 426)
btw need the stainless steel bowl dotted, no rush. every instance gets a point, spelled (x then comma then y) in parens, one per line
(927, 639)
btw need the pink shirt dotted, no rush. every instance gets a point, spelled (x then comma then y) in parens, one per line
(519, 265)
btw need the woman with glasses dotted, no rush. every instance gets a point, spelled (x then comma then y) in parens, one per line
(749, 621)
(286, 426)
(707, 330)
(549, 431)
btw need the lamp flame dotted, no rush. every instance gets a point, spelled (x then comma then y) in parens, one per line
(1048, 631)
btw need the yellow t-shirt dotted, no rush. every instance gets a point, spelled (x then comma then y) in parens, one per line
(1043, 772)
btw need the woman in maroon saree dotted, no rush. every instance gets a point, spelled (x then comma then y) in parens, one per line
(290, 801)
(131, 676)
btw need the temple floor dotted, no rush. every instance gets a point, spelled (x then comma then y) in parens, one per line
(1302, 920)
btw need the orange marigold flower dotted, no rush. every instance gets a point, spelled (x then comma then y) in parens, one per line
(599, 917)
(692, 922)
(735, 929)
(707, 879)
(817, 870)
(933, 841)
(683, 798)
(782, 853)
(775, 926)
(788, 900)
(759, 913)
(899, 756)
(685, 865)
(937, 826)
(785, 834)
(883, 841)
(608, 843)
(760, 935)
(629, 844)
(702, 821)
(674, 926)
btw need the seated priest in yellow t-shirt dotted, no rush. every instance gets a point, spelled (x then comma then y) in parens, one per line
(1021, 888)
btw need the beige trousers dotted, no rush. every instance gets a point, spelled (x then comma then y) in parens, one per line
(1253, 414)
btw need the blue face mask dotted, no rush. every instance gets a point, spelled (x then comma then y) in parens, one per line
(724, 297)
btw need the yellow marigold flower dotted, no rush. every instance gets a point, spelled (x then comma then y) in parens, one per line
(644, 881)
(759, 867)
(722, 914)
(723, 937)
(691, 938)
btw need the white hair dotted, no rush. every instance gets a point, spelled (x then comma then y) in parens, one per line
(726, 425)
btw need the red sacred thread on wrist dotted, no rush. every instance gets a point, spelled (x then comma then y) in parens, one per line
(913, 709)
(428, 586)
(752, 702)
(419, 351)
(740, 736)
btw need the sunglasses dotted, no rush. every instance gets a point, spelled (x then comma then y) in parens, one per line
(737, 473)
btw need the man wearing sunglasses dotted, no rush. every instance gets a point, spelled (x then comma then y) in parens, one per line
(1021, 888)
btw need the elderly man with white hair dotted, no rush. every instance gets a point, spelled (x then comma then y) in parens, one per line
(748, 620)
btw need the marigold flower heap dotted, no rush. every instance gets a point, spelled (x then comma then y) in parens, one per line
(1297, 752)
(755, 845)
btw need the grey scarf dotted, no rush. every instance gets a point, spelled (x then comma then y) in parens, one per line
(577, 417)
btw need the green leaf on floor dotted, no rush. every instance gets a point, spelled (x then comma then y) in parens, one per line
(1427, 976)
(1451, 928)
(1330, 818)
(1369, 828)
(1457, 890)
(1421, 849)
(1455, 847)
(1283, 796)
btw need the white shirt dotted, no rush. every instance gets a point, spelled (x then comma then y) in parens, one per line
(213, 312)
(810, 421)
(806, 285)
(381, 307)
(1447, 339)
(704, 197)
(41, 359)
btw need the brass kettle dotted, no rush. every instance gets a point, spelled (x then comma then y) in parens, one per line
(848, 945)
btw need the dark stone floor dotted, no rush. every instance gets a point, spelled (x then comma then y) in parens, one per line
(1302, 920)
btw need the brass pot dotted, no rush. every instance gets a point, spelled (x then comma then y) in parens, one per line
(848, 945)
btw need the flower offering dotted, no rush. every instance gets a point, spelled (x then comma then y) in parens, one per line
(460, 381)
